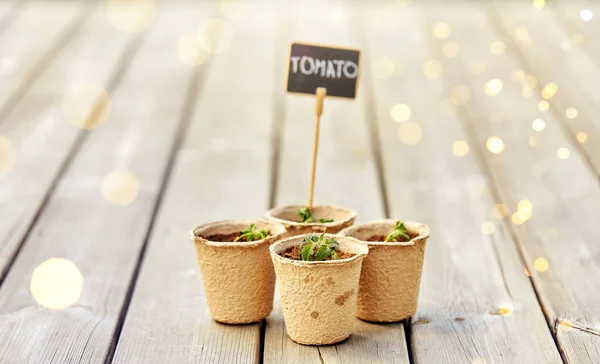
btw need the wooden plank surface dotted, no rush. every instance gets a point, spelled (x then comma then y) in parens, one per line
(558, 242)
(346, 176)
(577, 75)
(468, 276)
(31, 41)
(40, 135)
(98, 224)
(222, 172)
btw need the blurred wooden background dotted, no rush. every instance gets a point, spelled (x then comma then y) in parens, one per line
(125, 124)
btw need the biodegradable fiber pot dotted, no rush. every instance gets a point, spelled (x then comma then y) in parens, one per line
(238, 277)
(391, 274)
(318, 298)
(288, 217)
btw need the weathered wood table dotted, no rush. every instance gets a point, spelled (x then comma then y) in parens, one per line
(117, 136)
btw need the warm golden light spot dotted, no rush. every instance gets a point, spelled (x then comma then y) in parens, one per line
(541, 264)
(189, 51)
(543, 105)
(562, 153)
(401, 113)
(505, 309)
(56, 284)
(549, 90)
(441, 30)
(495, 145)
(518, 75)
(517, 218)
(527, 92)
(497, 47)
(581, 137)
(215, 36)
(539, 4)
(86, 106)
(410, 133)
(383, 67)
(565, 324)
(571, 113)
(522, 34)
(460, 95)
(529, 81)
(432, 69)
(232, 9)
(120, 187)
(577, 38)
(476, 66)
(586, 15)
(499, 211)
(525, 208)
(533, 141)
(450, 49)
(526, 271)
(131, 15)
(538, 125)
(487, 227)
(7, 156)
(493, 87)
(460, 148)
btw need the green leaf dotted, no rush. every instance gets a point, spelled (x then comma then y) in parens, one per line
(304, 214)
(334, 255)
(323, 221)
(323, 253)
(307, 252)
(398, 233)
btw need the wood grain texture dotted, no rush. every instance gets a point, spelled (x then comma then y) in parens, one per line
(572, 69)
(346, 176)
(467, 275)
(40, 134)
(564, 193)
(222, 172)
(103, 240)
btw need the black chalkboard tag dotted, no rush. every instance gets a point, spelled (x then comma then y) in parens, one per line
(311, 66)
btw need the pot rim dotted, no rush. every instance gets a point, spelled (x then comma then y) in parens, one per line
(270, 216)
(419, 225)
(279, 232)
(363, 250)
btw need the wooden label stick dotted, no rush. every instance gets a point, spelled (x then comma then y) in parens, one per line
(321, 93)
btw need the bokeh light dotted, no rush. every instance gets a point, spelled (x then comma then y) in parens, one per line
(441, 30)
(7, 156)
(499, 211)
(450, 49)
(487, 227)
(401, 113)
(538, 125)
(495, 145)
(505, 309)
(541, 264)
(497, 47)
(543, 105)
(120, 187)
(549, 90)
(460, 148)
(432, 69)
(571, 113)
(86, 106)
(215, 36)
(493, 87)
(56, 284)
(577, 38)
(582, 137)
(131, 15)
(460, 95)
(586, 14)
(410, 133)
(189, 50)
(539, 4)
(562, 153)
(533, 142)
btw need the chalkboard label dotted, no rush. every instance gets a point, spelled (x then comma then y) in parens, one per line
(311, 66)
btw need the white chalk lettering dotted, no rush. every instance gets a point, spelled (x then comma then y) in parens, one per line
(347, 73)
(311, 63)
(320, 65)
(339, 63)
(330, 70)
(294, 63)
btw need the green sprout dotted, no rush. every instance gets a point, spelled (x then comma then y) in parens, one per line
(306, 216)
(324, 248)
(398, 233)
(251, 234)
